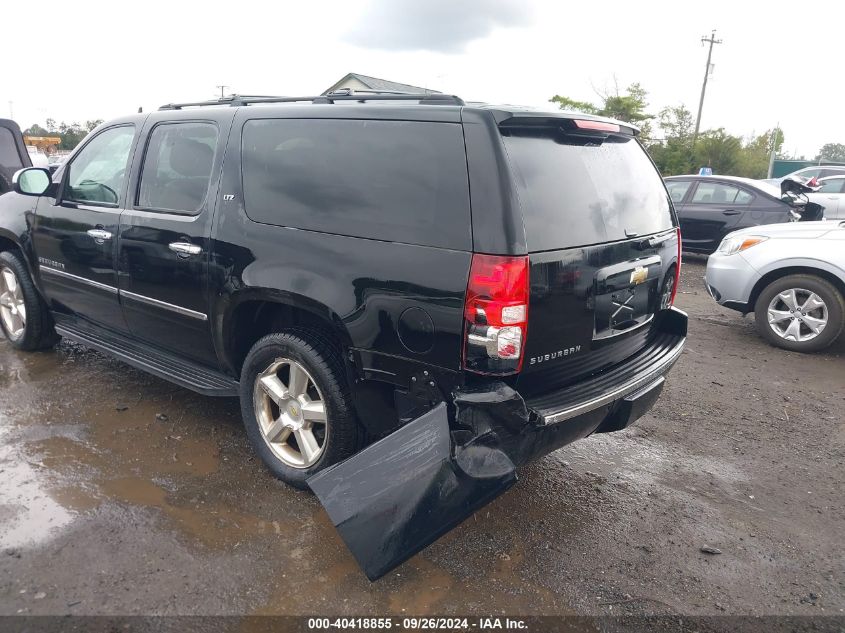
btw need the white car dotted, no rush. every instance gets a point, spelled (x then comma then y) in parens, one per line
(831, 196)
(38, 158)
(816, 171)
(792, 276)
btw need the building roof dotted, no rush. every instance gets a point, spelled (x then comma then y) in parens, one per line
(381, 85)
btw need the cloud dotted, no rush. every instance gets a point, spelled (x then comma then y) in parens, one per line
(443, 26)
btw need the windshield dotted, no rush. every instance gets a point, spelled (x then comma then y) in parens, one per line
(576, 190)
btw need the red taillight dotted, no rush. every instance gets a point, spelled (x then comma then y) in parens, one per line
(496, 314)
(677, 270)
(586, 124)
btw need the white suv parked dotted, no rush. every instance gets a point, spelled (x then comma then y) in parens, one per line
(792, 276)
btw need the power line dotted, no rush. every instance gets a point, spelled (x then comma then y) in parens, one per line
(712, 40)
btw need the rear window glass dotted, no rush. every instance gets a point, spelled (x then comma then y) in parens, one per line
(576, 191)
(403, 181)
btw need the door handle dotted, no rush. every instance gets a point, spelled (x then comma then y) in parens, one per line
(99, 235)
(184, 249)
(730, 212)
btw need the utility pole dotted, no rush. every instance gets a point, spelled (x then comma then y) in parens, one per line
(712, 40)
(222, 88)
(11, 110)
(773, 141)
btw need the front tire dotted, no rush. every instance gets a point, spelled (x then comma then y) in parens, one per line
(24, 317)
(801, 313)
(296, 406)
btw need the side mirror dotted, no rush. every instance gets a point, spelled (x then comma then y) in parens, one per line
(32, 181)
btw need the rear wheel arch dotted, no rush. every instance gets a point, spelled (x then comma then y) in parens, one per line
(254, 317)
(7, 244)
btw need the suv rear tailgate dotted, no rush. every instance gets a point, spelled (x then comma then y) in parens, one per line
(603, 248)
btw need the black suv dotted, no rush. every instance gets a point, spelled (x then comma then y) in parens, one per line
(349, 264)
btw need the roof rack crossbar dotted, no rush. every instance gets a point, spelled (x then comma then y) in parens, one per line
(243, 100)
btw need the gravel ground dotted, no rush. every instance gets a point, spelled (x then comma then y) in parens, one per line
(126, 495)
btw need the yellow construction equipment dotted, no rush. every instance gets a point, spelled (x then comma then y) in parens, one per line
(44, 143)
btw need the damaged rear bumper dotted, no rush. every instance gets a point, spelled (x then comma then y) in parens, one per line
(403, 492)
(607, 401)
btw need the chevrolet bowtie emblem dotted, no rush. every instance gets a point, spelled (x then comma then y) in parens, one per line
(639, 275)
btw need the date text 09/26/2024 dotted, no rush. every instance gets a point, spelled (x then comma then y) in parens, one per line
(418, 623)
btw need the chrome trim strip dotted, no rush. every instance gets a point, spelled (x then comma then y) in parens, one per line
(621, 392)
(82, 280)
(163, 304)
(633, 328)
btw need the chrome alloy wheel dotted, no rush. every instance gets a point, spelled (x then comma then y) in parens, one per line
(797, 314)
(12, 306)
(291, 413)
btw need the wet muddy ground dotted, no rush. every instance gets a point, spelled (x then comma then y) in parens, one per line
(123, 494)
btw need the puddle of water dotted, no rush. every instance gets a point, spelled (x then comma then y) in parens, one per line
(640, 461)
(29, 516)
(214, 525)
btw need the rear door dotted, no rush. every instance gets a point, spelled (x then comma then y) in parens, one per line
(165, 232)
(602, 245)
(831, 196)
(713, 210)
(75, 234)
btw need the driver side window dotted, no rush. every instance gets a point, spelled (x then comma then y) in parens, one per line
(97, 173)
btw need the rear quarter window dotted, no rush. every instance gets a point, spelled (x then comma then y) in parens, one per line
(575, 191)
(401, 181)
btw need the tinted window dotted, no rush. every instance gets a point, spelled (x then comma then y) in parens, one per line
(678, 189)
(575, 192)
(831, 172)
(743, 197)
(391, 180)
(177, 166)
(715, 193)
(809, 173)
(834, 185)
(98, 171)
(9, 157)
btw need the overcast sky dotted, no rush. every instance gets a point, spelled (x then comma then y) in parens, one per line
(83, 59)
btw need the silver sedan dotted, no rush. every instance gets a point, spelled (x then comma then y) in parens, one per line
(831, 195)
(792, 276)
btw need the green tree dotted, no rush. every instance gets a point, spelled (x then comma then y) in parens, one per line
(69, 133)
(673, 154)
(629, 107)
(754, 158)
(834, 152)
(36, 130)
(719, 150)
(565, 103)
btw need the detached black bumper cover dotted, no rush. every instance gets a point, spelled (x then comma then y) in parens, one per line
(400, 494)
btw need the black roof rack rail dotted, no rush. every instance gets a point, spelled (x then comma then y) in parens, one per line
(243, 100)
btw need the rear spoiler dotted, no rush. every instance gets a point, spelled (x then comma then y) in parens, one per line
(571, 121)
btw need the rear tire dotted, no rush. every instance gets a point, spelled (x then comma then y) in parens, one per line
(24, 317)
(297, 425)
(790, 310)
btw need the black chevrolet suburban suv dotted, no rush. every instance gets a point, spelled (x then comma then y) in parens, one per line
(349, 264)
